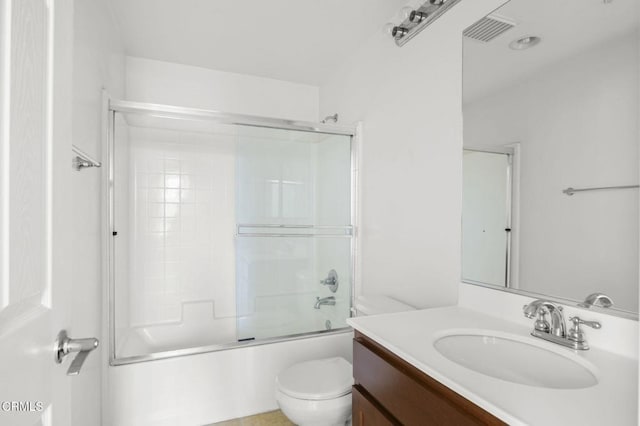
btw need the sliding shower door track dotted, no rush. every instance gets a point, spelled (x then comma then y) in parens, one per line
(222, 347)
(177, 112)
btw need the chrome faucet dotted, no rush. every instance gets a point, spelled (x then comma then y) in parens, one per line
(542, 307)
(556, 330)
(331, 300)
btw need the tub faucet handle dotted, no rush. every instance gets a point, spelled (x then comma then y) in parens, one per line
(331, 281)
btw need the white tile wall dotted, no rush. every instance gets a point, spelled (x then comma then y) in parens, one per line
(183, 218)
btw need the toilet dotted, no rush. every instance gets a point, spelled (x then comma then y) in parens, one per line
(318, 392)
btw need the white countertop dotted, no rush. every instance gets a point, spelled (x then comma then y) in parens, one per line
(410, 335)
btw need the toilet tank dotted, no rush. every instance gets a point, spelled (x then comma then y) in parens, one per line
(379, 304)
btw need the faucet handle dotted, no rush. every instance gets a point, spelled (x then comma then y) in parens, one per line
(577, 321)
(541, 324)
(576, 334)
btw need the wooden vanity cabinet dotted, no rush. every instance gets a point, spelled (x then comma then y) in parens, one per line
(390, 391)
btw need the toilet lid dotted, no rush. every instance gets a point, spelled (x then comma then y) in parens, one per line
(318, 379)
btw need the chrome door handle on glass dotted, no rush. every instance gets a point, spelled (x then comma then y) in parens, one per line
(65, 346)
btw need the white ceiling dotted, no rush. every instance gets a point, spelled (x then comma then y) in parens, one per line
(293, 40)
(566, 27)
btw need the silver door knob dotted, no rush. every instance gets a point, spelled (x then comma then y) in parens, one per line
(64, 346)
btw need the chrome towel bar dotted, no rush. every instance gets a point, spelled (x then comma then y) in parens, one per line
(571, 191)
(82, 160)
(286, 231)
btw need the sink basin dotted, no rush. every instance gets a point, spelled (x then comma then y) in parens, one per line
(516, 359)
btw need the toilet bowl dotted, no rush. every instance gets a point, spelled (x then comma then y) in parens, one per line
(318, 392)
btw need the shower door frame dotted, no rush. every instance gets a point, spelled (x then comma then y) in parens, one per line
(114, 106)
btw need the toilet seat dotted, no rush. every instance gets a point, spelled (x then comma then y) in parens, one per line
(316, 380)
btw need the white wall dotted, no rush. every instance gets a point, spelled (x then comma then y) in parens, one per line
(175, 84)
(409, 100)
(98, 64)
(576, 121)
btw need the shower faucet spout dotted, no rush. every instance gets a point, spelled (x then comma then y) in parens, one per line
(331, 300)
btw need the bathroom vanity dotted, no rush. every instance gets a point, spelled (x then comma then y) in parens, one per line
(458, 366)
(399, 393)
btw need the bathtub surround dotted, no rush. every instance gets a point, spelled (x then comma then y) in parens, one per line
(214, 213)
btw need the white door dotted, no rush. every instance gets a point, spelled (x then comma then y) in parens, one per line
(35, 167)
(486, 206)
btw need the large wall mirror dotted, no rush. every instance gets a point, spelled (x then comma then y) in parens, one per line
(551, 95)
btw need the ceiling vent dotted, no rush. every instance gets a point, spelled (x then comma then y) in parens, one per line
(488, 28)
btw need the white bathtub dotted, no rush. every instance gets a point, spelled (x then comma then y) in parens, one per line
(202, 330)
(167, 337)
(210, 387)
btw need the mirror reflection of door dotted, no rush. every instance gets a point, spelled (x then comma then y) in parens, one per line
(486, 217)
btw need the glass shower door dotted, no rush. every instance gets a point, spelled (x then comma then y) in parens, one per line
(293, 209)
(222, 233)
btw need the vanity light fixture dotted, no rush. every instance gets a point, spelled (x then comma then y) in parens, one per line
(524, 42)
(415, 20)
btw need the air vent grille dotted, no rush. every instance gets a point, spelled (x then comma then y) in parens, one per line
(488, 28)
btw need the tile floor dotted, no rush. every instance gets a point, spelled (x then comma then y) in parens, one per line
(272, 418)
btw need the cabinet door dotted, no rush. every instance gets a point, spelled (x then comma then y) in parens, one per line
(367, 412)
(410, 396)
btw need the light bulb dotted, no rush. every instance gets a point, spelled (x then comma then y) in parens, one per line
(406, 11)
(388, 28)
